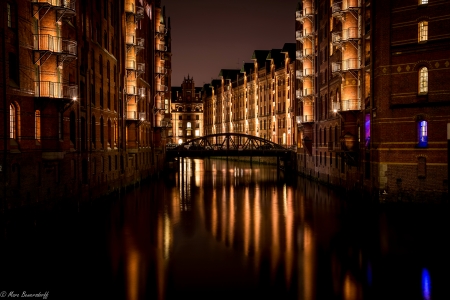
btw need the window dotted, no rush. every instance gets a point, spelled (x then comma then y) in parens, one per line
(93, 132)
(423, 2)
(423, 80)
(423, 134)
(37, 125)
(13, 68)
(12, 121)
(11, 15)
(423, 31)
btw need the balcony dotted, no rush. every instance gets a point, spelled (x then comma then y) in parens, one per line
(161, 47)
(307, 12)
(140, 42)
(130, 65)
(58, 45)
(161, 70)
(161, 29)
(64, 8)
(351, 104)
(161, 88)
(55, 90)
(340, 8)
(300, 35)
(139, 15)
(305, 73)
(305, 119)
(350, 64)
(140, 68)
(130, 39)
(335, 67)
(131, 90)
(305, 53)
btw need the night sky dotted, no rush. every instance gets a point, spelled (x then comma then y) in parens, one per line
(210, 35)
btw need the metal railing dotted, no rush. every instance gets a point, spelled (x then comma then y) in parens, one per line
(47, 42)
(55, 90)
(66, 4)
(161, 88)
(351, 64)
(351, 104)
(130, 65)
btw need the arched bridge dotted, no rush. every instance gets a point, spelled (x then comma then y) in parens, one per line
(230, 144)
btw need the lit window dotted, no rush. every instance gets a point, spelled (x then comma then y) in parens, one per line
(423, 134)
(423, 31)
(422, 2)
(12, 121)
(8, 12)
(423, 80)
(188, 125)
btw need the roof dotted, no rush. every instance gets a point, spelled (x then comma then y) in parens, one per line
(229, 74)
(290, 49)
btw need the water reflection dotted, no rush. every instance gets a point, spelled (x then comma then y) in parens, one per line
(224, 229)
(232, 229)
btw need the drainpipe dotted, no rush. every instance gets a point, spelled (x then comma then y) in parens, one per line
(5, 123)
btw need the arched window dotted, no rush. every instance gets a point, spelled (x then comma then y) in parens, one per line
(12, 122)
(109, 133)
(423, 80)
(422, 134)
(37, 125)
(93, 133)
(188, 125)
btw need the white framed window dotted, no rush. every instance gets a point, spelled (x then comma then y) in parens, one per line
(423, 31)
(423, 80)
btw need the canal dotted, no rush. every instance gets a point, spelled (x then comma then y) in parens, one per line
(228, 230)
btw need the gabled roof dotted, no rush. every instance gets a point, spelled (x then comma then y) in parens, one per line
(289, 48)
(277, 57)
(260, 57)
(247, 68)
(229, 73)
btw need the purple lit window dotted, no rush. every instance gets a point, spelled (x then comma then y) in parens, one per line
(367, 129)
(423, 134)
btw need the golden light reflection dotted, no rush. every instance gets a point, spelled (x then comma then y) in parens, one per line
(308, 263)
(350, 288)
(133, 275)
(247, 215)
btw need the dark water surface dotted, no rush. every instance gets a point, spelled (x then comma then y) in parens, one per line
(228, 230)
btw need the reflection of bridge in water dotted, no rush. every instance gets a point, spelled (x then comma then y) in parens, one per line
(233, 144)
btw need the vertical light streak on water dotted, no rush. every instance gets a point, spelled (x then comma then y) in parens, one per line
(289, 221)
(214, 213)
(223, 212)
(133, 274)
(308, 263)
(167, 235)
(426, 285)
(350, 288)
(274, 214)
(257, 228)
(160, 259)
(231, 217)
(246, 221)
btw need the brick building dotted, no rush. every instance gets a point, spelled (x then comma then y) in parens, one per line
(375, 117)
(257, 100)
(82, 86)
(186, 112)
